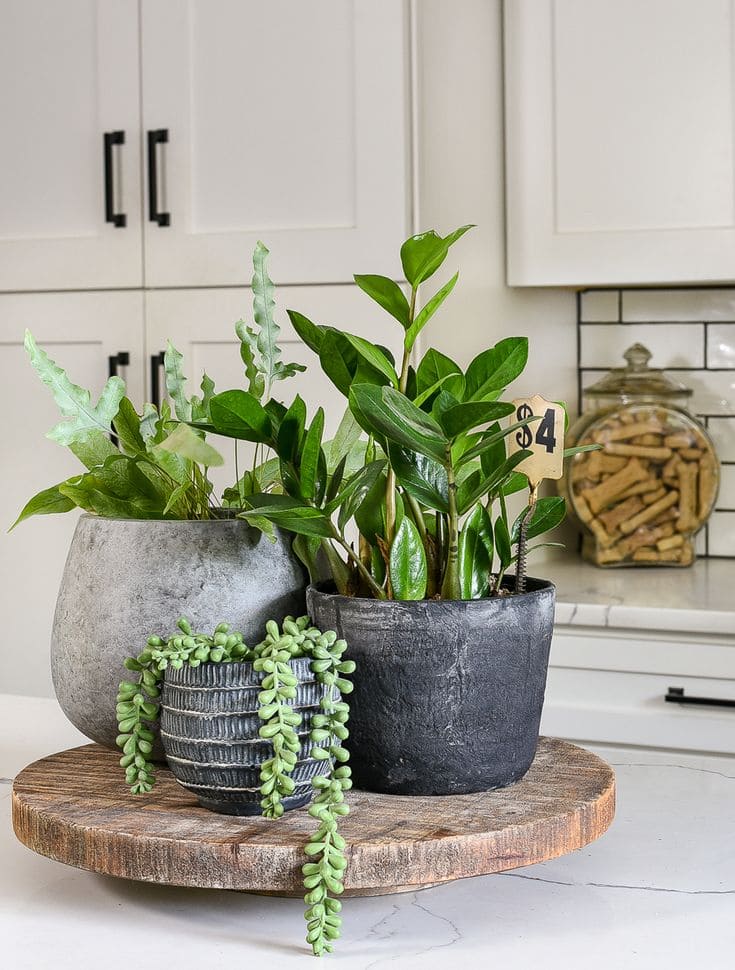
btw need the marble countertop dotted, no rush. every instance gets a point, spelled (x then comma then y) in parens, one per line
(698, 599)
(656, 891)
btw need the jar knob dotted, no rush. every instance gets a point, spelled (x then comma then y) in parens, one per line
(637, 357)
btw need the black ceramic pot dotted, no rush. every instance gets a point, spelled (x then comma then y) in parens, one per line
(448, 693)
(209, 729)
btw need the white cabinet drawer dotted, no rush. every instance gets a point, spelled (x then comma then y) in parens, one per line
(629, 708)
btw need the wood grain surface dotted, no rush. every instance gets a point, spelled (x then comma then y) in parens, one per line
(74, 807)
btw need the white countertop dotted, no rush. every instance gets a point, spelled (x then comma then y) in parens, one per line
(697, 599)
(657, 891)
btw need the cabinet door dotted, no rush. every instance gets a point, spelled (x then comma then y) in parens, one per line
(80, 331)
(201, 324)
(68, 74)
(285, 122)
(620, 140)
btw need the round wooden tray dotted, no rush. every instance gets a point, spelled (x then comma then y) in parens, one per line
(74, 807)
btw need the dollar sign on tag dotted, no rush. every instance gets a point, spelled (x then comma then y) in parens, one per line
(543, 437)
(524, 436)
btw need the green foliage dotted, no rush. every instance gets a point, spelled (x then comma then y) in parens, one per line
(433, 452)
(138, 708)
(74, 402)
(418, 462)
(155, 464)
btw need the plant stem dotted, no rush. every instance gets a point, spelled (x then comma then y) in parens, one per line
(376, 590)
(450, 585)
(416, 514)
(390, 484)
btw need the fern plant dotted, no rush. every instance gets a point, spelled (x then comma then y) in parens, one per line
(155, 464)
(138, 706)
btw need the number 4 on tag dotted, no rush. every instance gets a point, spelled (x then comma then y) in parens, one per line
(543, 436)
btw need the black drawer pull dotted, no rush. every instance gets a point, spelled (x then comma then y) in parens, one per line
(120, 359)
(156, 365)
(157, 136)
(676, 695)
(118, 219)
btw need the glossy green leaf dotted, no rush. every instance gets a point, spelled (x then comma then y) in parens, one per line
(423, 478)
(548, 513)
(74, 402)
(370, 514)
(238, 414)
(335, 479)
(175, 380)
(310, 457)
(407, 563)
(360, 483)
(458, 419)
(291, 432)
(489, 439)
(311, 333)
(580, 449)
(515, 482)
(492, 370)
(436, 369)
(288, 513)
(48, 502)
(346, 437)
(338, 359)
(477, 484)
(187, 443)
(423, 317)
(475, 554)
(373, 356)
(307, 548)
(387, 294)
(494, 454)
(355, 490)
(386, 412)
(502, 543)
(423, 254)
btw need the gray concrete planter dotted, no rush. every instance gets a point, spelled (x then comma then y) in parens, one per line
(127, 578)
(448, 694)
(209, 730)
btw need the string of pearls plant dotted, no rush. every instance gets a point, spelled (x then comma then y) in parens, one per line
(138, 707)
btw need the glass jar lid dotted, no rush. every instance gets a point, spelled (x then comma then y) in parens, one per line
(637, 379)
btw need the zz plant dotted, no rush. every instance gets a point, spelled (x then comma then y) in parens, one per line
(418, 464)
(138, 708)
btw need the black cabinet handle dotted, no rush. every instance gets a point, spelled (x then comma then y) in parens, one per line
(676, 695)
(157, 136)
(118, 219)
(156, 365)
(120, 359)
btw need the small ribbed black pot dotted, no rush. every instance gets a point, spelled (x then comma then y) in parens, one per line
(209, 730)
(448, 693)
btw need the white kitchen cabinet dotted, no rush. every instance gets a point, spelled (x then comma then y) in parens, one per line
(81, 331)
(284, 122)
(201, 325)
(620, 141)
(68, 75)
(608, 685)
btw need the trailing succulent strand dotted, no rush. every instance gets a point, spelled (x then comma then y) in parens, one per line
(138, 707)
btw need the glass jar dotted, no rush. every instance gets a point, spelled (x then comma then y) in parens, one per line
(644, 495)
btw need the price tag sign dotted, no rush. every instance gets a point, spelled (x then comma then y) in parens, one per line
(544, 437)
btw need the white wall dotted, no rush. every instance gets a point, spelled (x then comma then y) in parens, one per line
(459, 71)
